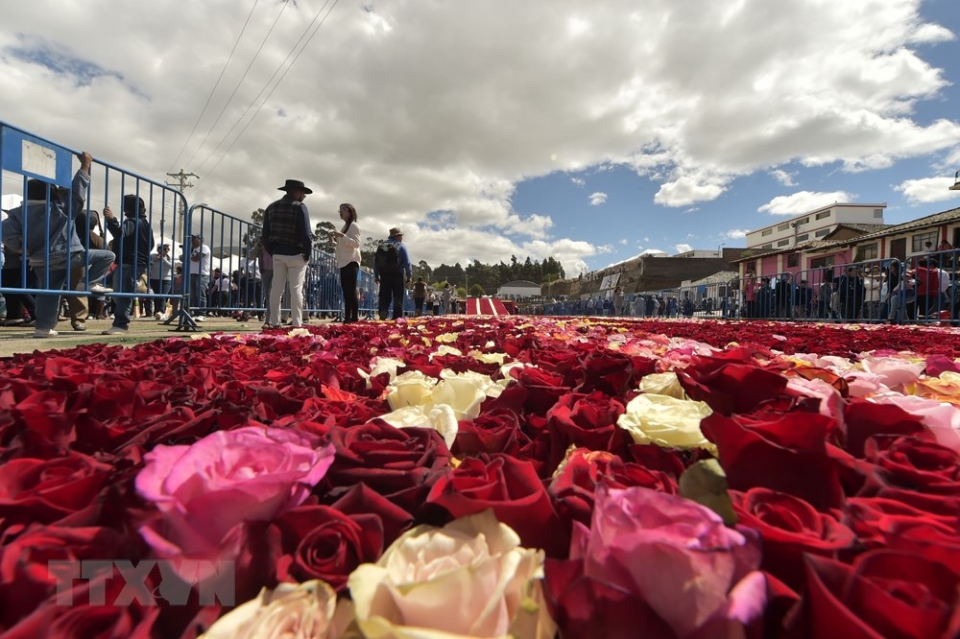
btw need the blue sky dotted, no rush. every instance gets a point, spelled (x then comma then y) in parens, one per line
(589, 132)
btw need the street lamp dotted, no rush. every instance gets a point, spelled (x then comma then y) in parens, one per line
(956, 182)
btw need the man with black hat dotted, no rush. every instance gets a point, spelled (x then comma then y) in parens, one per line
(286, 236)
(391, 263)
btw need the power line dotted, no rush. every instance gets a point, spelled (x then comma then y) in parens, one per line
(239, 82)
(250, 121)
(214, 90)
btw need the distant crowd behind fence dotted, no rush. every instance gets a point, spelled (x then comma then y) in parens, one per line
(234, 282)
(922, 289)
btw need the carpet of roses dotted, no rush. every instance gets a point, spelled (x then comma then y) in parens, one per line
(481, 477)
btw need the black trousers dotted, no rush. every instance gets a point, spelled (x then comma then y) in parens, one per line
(391, 288)
(348, 284)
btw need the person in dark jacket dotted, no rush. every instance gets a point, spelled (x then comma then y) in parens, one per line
(286, 236)
(850, 294)
(134, 242)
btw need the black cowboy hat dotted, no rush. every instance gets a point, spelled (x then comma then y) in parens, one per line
(295, 184)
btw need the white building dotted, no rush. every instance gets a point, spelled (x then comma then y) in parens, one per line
(814, 225)
(518, 289)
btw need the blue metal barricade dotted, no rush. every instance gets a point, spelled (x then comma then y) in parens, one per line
(56, 239)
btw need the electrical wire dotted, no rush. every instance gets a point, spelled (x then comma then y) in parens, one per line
(239, 135)
(237, 87)
(215, 86)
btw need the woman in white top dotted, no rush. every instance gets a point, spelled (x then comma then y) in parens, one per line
(348, 261)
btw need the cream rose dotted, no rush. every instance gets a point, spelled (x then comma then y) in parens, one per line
(413, 388)
(666, 421)
(291, 611)
(438, 417)
(663, 384)
(470, 578)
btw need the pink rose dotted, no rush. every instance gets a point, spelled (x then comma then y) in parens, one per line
(667, 563)
(206, 492)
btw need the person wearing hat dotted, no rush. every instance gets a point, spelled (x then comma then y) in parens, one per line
(391, 265)
(286, 236)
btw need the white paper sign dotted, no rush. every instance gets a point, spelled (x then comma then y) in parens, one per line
(39, 160)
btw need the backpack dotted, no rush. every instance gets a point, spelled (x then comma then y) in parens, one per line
(387, 258)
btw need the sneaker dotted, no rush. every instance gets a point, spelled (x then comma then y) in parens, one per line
(199, 318)
(78, 326)
(268, 325)
(99, 289)
(158, 316)
(116, 330)
(44, 332)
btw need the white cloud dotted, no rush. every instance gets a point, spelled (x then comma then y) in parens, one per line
(935, 189)
(624, 242)
(393, 128)
(803, 201)
(598, 198)
(579, 182)
(682, 248)
(783, 177)
(736, 234)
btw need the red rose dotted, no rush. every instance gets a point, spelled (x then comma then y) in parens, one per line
(496, 431)
(361, 500)
(867, 419)
(51, 491)
(572, 489)
(588, 421)
(790, 527)
(886, 523)
(26, 581)
(882, 594)
(613, 373)
(82, 618)
(730, 386)
(399, 463)
(786, 452)
(915, 463)
(543, 389)
(512, 489)
(320, 542)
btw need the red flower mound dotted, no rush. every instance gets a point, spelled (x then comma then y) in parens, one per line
(847, 511)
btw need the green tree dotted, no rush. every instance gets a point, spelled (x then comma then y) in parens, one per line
(323, 237)
(253, 231)
(368, 250)
(476, 290)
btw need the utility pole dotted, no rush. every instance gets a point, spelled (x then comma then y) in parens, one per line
(180, 185)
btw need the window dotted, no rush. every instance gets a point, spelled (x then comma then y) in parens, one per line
(821, 232)
(822, 262)
(767, 246)
(767, 232)
(878, 213)
(823, 215)
(793, 260)
(870, 251)
(750, 267)
(801, 238)
(783, 242)
(922, 238)
(805, 220)
(783, 227)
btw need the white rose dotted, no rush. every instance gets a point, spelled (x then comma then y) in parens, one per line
(666, 421)
(291, 611)
(413, 388)
(438, 417)
(663, 384)
(470, 578)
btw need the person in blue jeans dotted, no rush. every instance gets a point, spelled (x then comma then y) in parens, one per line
(134, 242)
(44, 229)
